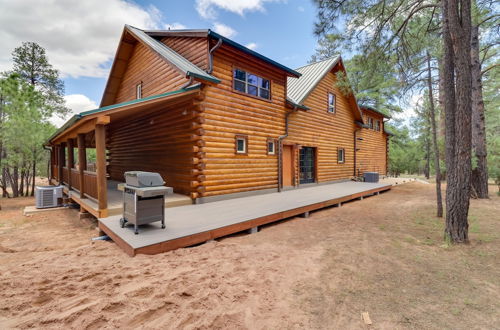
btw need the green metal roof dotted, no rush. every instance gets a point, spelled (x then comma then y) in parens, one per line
(215, 35)
(188, 68)
(299, 88)
(374, 110)
(79, 116)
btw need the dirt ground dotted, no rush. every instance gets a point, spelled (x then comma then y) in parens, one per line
(383, 255)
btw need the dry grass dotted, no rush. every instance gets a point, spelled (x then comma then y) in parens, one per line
(384, 255)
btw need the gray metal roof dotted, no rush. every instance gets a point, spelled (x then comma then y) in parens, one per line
(299, 88)
(188, 68)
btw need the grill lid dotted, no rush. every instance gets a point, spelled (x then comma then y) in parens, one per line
(143, 179)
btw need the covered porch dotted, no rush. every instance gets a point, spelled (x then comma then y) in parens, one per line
(90, 153)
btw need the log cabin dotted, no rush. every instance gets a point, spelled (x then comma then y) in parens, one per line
(216, 120)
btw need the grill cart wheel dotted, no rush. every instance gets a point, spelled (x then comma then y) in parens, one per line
(122, 222)
(163, 226)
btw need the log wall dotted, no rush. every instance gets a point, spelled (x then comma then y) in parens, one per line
(325, 131)
(228, 114)
(193, 49)
(156, 74)
(372, 154)
(163, 141)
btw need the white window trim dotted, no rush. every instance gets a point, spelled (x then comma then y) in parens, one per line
(341, 151)
(244, 151)
(332, 107)
(138, 91)
(269, 142)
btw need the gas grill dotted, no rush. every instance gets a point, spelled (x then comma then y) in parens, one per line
(143, 199)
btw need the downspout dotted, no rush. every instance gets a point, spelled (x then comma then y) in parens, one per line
(280, 149)
(210, 56)
(189, 82)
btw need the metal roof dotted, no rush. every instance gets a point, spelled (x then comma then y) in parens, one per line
(79, 116)
(374, 110)
(188, 68)
(210, 33)
(299, 88)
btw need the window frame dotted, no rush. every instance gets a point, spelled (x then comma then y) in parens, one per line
(138, 91)
(247, 72)
(370, 122)
(339, 150)
(245, 139)
(273, 141)
(377, 125)
(328, 106)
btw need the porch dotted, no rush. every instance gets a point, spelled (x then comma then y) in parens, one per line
(192, 224)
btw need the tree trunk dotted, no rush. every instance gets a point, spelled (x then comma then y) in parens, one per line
(33, 179)
(479, 177)
(14, 181)
(21, 183)
(432, 112)
(458, 109)
(427, 170)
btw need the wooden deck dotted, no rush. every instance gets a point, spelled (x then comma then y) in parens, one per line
(115, 197)
(193, 224)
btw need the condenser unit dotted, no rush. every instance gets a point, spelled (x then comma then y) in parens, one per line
(48, 196)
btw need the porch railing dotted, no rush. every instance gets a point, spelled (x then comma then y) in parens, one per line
(75, 178)
(65, 174)
(90, 183)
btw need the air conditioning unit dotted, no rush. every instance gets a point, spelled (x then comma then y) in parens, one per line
(48, 196)
(370, 176)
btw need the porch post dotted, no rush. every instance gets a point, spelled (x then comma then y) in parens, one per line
(100, 144)
(71, 161)
(60, 162)
(82, 162)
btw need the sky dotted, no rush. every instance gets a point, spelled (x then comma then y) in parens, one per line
(81, 36)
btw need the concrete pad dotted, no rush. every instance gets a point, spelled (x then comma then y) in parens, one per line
(28, 210)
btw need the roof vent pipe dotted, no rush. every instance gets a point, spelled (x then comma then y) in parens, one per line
(210, 56)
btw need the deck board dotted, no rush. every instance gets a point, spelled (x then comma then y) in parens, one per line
(197, 223)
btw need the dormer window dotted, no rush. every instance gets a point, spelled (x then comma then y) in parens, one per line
(370, 122)
(251, 84)
(331, 103)
(377, 125)
(138, 91)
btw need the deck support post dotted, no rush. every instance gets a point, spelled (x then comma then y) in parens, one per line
(100, 143)
(305, 214)
(82, 162)
(253, 230)
(377, 193)
(71, 162)
(361, 198)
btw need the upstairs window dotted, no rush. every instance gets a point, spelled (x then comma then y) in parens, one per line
(370, 122)
(138, 91)
(340, 155)
(331, 103)
(251, 84)
(377, 125)
(241, 142)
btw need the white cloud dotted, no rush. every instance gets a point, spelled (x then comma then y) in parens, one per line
(300, 8)
(80, 36)
(224, 30)
(208, 8)
(174, 26)
(76, 103)
(252, 45)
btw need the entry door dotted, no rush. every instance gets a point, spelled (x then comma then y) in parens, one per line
(287, 165)
(307, 166)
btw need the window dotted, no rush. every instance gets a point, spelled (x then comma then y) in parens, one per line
(138, 91)
(271, 147)
(370, 122)
(340, 155)
(241, 142)
(331, 102)
(377, 125)
(307, 165)
(251, 84)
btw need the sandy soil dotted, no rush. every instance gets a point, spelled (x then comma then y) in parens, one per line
(383, 255)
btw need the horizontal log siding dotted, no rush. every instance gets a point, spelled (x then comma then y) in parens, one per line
(373, 149)
(162, 141)
(228, 114)
(156, 74)
(326, 131)
(194, 49)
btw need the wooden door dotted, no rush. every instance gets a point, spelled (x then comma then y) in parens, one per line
(287, 165)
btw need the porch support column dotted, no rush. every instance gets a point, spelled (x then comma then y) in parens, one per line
(102, 191)
(60, 163)
(71, 161)
(82, 162)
